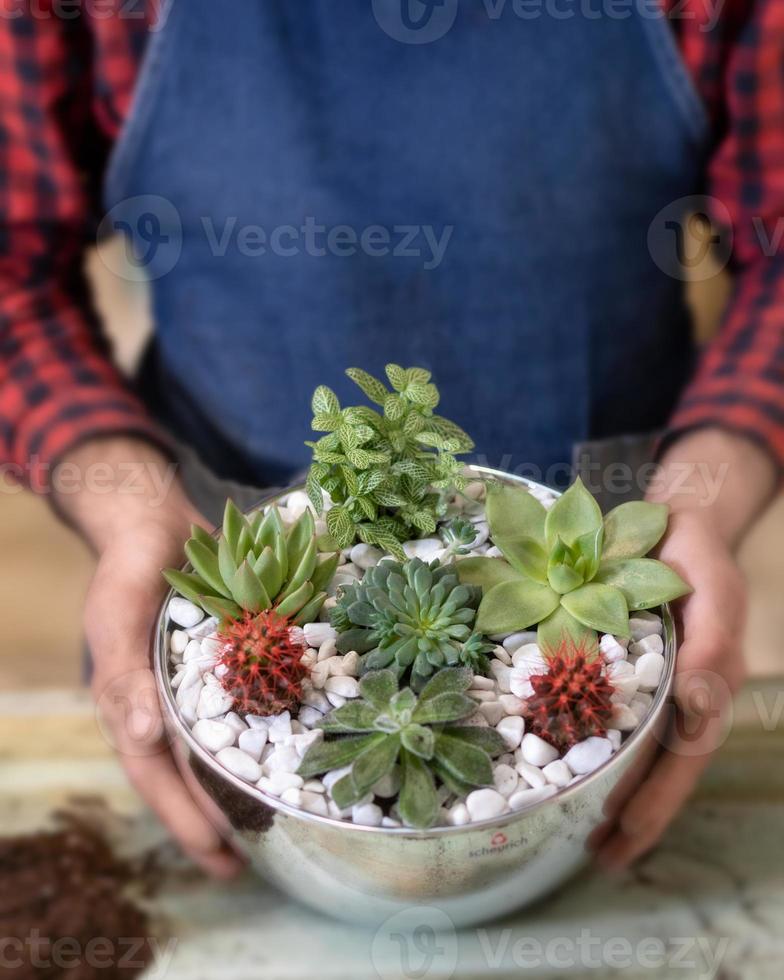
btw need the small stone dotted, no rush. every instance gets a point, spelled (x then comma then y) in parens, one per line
(178, 641)
(213, 701)
(347, 666)
(557, 773)
(515, 640)
(505, 780)
(278, 782)
(649, 670)
(365, 555)
(483, 804)
(624, 689)
(207, 627)
(346, 687)
(458, 815)
(478, 720)
(314, 786)
(336, 700)
(623, 718)
(519, 684)
(310, 717)
(480, 683)
(297, 503)
(640, 704)
(240, 764)
(529, 658)
(588, 755)
(614, 738)
(328, 648)
(213, 735)
(475, 490)
(424, 548)
(643, 624)
(234, 720)
(502, 675)
(301, 743)
(293, 796)
(611, 649)
(484, 697)
(511, 730)
(367, 814)
(184, 613)
(314, 803)
(492, 711)
(279, 727)
(648, 644)
(526, 797)
(192, 652)
(284, 759)
(318, 633)
(257, 722)
(253, 741)
(533, 775)
(319, 674)
(511, 704)
(315, 699)
(536, 751)
(389, 822)
(389, 784)
(499, 653)
(620, 668)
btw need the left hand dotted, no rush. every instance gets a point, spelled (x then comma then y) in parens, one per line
(709, 671)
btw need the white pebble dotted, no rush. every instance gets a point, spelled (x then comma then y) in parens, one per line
(640, 705)
(314, 786)
(184, 613)
(328, 648)
(297, 503)
(278, 782)
(484, 696)
(329, 779)
(365, 555)
(612, 649)
(207, 627)
(257, 722)
(213, 701)
(649, 670)
(614, 738)
(588, 755)
(529, 657)
(240, 763)
(192, 652)
(318, 633)
(624, 689)
(310, 716)
(319, 674)
(390, 822)
(367, 814)
(557, 773)
(623, 718)
(502, 675)
(505, 779)
(620, 668)
(533, 775)
(511, 730)
(515, 640)
(648, 644)
(491, 711)
(336, 700)
(483, 804)
(480, 683)
(526, 797)
(279, 727)
(284, 759)
(234, 720)
(389, 784)
(292, 795)
(424, 548)
(253, 741)
(178, 641)
(459, 815)
(345, 687)
(213, 735)
(314, 803)
(536, 751)
(302, 742)
(644, 624)
(519, 684)
(499, 653)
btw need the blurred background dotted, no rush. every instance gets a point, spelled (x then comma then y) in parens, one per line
(46, 567)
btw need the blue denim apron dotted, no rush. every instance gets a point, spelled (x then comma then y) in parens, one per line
(310, 191)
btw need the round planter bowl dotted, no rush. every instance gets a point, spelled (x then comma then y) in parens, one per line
(365, 874)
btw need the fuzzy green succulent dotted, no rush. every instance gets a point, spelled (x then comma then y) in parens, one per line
(384, 469)
(567, 569)
(254, 565)
(458, 536)
(409, 616)
(386, 727)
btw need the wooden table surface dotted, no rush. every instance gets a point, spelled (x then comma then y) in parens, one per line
(708, 903)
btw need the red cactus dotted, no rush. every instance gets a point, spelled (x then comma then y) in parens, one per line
(264, 664)
(572, 701)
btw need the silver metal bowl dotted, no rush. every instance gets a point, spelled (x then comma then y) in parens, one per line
(365, 874)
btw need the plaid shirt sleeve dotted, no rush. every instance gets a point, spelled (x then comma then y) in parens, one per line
(738, 64)
(63, 84)
(65, 87)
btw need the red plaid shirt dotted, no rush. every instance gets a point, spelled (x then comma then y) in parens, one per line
(65, 88)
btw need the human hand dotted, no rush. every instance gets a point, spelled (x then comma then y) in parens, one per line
(136, 534)
(716, 484)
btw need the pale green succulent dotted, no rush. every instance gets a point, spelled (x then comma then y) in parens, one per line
(254, 565)
(386, 727)
(411, 617)
(567, 569)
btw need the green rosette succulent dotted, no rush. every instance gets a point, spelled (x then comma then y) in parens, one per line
(567, 569)
(385, 727)
(411, 617)
(254, 565)
(385, 469)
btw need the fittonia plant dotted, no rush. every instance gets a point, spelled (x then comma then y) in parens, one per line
(411, 617)
(567, 569)
(386, 727)
(384, 469)
(255, 565)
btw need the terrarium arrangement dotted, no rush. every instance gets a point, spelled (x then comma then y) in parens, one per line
(402, 644)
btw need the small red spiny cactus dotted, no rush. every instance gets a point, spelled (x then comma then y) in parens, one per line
(264, 669)
(572, 701)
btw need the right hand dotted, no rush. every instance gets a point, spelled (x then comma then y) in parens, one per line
(136, 535)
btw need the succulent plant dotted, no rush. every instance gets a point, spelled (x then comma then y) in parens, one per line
(409, 616)
(254, 565)
(263, 663)
(567, 569)
(386, 726)
(573, 700)
(383, 470)
(458, 536)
